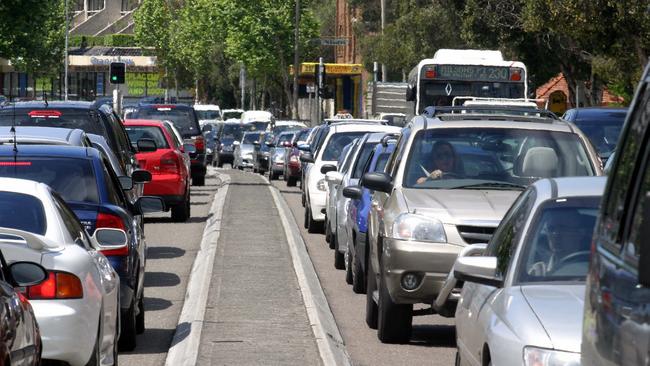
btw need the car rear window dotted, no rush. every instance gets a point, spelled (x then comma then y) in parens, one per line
(73, 179)
(147, 132)
(22, 212)
(337, 142)
(183, 119)
(64, 117)
(208, 114)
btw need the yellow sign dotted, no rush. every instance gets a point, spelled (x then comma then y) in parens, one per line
(557, 102)
(308, 68)
(143, 84)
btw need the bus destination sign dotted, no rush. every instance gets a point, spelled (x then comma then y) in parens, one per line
(473, 73)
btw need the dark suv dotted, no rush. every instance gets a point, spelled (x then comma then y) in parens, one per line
(184, 119)
(616, 327)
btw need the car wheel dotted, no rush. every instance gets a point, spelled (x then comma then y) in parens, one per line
(371, 305)
(339, 260)
(303, 199)
(393, 320)
(291, 182)
(457, 361)
(306, 220)
(348, 266)
(313, 227)
(358, 279)
(198, 180)
(328, 232)
(95, 358)
(139, 320)
(255, 170)
(128, 332)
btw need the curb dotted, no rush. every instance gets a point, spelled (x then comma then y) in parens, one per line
(184, 349)
(328, 337)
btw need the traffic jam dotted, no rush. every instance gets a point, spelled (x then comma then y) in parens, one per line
(511, 232)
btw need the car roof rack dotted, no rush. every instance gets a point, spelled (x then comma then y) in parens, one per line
(468, 112)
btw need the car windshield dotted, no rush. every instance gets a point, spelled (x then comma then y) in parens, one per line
(146, 132)
(182, 118)
(283, 128)
(256, 126)
(22, 212)
(231, 114)
(251, 138)
(207, 114)
(492, 158)
(64, 117)
(603, 133)
(337, 142)
(73, 179)
(232, 131)
(285, 138)
(558, 245)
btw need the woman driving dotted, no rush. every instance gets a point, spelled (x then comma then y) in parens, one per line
(444, 161)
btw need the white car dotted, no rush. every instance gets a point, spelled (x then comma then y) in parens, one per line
(207, 112)
(335, 137)
(522, 301)
(77, 307)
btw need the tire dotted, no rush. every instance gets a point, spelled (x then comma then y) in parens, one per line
(457, 360)
(303, 199)
(128, 332)
(371, 306)
(198, 180)
(339, 259)
(139, 319)
(272, 175)
(328, 232)
(291, 182)
(313, 227)
(358, 278)
(181, 212)
(347, 260)
(306, 221)
(394, 321)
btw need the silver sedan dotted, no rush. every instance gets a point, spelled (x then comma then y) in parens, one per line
(77, 306)
(522, 301)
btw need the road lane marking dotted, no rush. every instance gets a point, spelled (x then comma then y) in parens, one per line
(184, 349)
(328, 337)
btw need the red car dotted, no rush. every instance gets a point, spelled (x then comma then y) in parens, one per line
(169, 164)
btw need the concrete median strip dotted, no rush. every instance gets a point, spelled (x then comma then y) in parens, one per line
(187, 337)
(328, 338)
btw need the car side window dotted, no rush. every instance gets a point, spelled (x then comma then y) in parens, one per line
(617, 201)
(175, 141)
(505, 238)
(115, 194)
(637, 220)
(71, 223)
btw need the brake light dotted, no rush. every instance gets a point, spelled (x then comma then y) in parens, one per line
(59, 285)
(169, 163)
(114, 222)
(430, 73)
(515, 74)
(44, 113)
(15, 163)
(199, 143)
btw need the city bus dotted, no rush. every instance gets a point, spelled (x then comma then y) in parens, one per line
(465, 73)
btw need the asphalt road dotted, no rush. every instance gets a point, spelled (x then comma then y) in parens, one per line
(171, 251)
(433, 341)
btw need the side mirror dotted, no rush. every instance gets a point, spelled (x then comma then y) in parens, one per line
(147, 145)
(27, 273)
(644, 255)
(305, 147)
(107, 239)
(141, 176)
(126, 183)
(377, 181)
(480, 270)
(149, 204)
(307, 158)
(352, 192)
(334, 177)
(189, 148)
(327, 168)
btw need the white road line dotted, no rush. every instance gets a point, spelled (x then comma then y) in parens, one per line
(328, 337)
(187, 338)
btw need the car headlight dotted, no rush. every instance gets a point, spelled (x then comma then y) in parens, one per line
(534, 356)
(416, 227)
(322, 185)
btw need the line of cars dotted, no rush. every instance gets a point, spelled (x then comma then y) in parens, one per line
(75, 183)
(488, 215)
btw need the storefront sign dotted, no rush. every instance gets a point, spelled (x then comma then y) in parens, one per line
(140, 61)
(332, 69)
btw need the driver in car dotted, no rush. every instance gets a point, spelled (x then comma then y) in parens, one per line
(445, 162)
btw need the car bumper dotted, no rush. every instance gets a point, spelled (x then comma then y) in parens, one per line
(68, 330)
(431, 262)
(164, 185)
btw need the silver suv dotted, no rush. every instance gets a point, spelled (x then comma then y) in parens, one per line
(447, 185)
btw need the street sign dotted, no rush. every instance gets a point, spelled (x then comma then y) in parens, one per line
(334, 41)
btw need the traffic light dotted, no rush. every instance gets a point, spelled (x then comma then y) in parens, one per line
(118, 71)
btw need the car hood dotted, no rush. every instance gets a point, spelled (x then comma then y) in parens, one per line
(462, 206)
(559, 309)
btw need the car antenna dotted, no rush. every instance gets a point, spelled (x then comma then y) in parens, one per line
(13, 132)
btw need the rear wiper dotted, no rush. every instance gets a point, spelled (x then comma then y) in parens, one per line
(497, 185)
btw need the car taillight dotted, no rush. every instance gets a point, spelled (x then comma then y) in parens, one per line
(114, 222)
(59, 285)
(169, 163)
(199, 143)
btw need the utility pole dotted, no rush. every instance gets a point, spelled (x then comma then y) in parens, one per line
(242, 85)
(65, 60)
(296, 63)
(321, 84)
(375, 71)
(383, 24)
